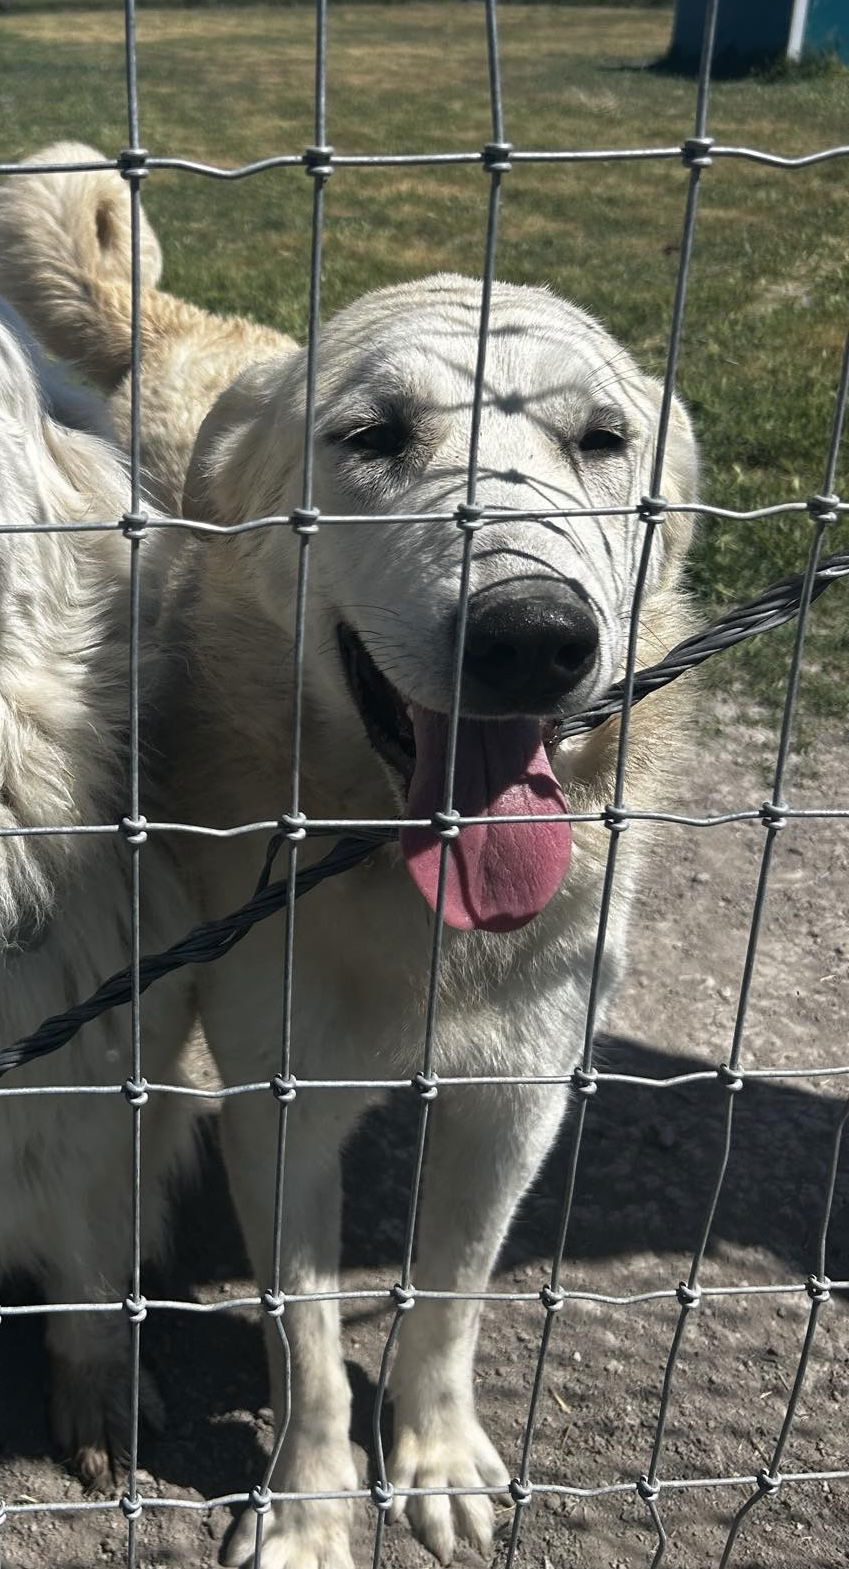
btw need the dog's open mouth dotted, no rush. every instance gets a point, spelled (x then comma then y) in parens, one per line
(382, 708)
(499, 875)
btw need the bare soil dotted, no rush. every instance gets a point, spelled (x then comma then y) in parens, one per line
(648, 1161)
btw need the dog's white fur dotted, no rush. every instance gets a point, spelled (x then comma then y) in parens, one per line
(65, 1161)
(512, 1005)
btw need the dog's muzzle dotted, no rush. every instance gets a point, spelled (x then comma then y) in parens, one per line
(527, 651)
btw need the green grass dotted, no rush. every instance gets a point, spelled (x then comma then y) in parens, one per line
(767, 305)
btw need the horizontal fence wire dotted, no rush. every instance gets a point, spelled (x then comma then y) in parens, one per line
(499, 514)
(703, 147)
(356, 839)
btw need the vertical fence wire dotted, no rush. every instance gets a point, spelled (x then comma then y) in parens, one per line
(304, 526)
(652, 512)
(134, 829)
(469, 519)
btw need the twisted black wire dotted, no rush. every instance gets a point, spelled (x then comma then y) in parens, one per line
(202, 945)
(777, 605)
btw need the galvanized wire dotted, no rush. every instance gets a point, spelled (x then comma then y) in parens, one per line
(468, 521)
(653, 510)
(134, 523)
(780, 603)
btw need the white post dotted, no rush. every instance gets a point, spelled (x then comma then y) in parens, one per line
(796, 39)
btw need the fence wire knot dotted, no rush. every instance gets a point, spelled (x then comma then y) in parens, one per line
(552, 1298)
(131, 1508)
(292, 825)
(259, 1499)
(134, 830)
(520, 1492)
(615, 819)
(468, 517)
(304, 520)
(696, 152)
(824, 509)
(404, 1297)
(768, 1484)
(318, 161)
(731, 1078)
(284, 1090)
(648, 1491)
(652, 509)
(819, 1290)
(427, 1085)
(134, 525)
(772, 815)
(445, 824)
(585, 1081)
(496, 157)
(274, 1303)
(135, 1092)
(382, 1494)
(132, 163)
(135, 1309)
(688, 1296)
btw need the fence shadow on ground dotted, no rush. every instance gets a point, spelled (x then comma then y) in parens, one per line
(648, 1161)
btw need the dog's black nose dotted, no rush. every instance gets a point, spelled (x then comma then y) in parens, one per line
(527, 650)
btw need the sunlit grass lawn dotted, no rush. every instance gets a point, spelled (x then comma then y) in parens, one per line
(767, 307)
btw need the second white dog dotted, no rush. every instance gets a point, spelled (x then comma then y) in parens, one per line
(65, 910)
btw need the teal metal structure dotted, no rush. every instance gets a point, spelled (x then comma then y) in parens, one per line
(751, 32)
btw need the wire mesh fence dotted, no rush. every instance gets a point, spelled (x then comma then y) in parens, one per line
(356, 838)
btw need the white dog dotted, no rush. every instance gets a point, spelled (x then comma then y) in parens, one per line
(65, 1161)
(568, 421)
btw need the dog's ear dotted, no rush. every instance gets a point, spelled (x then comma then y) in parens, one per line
(20, 398)
(244, 451)
(48, 470)
(680, 480)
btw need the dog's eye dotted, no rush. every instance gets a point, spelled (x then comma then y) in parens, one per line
(386, 438)
(600, 439)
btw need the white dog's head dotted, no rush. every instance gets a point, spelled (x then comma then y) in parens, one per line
(567, 422)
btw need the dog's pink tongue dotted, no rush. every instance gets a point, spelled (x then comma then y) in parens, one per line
(499, 875)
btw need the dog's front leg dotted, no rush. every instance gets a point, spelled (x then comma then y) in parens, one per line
(485, 1147)
(316, 1455)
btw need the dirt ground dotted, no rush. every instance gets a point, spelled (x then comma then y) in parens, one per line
(647, 1164)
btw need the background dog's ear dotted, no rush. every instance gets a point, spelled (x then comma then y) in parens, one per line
(245, 450)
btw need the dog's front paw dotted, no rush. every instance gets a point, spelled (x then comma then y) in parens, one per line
(90, 1415)
(310, 1535)
(450, 1451)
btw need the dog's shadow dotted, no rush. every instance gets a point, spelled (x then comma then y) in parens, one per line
(648, 1162)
